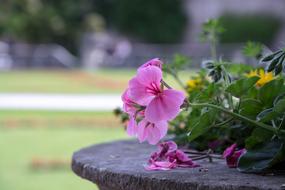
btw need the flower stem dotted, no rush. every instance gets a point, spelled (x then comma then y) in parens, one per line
(236, 115)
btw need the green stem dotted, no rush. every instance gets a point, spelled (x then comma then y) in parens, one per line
(235, 115)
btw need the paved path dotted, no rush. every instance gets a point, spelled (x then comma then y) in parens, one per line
(102, 102)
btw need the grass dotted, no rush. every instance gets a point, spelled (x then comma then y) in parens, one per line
(71, 81)
(20, 145)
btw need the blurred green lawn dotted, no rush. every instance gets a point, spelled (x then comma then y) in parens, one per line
(19, 145)
(73, 81)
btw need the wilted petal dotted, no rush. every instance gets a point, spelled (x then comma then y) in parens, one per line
(166, 106)
(232, 160)
(229, 151)
(132, 127)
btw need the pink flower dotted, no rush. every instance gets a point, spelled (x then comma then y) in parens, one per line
(169, 157)
(146, 89)
(151, 132)
(129, 106)
(132, 127)
(153, 62)
(232, 155)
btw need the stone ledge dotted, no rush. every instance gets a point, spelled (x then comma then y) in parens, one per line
(120, 166)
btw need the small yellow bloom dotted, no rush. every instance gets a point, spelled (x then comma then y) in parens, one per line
(194, 84)
(265, 77)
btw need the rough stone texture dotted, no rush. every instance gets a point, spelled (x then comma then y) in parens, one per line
(120, 166)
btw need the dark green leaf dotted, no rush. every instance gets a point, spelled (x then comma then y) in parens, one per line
(203, 125)
(266, 115)
(262, 158)
(268, 58)
(258, 137)
(241, 86)
(280, 106)
(270, 91)
(250, 108)
(272, 65)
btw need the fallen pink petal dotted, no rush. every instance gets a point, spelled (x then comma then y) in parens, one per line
(169, 157)
(232, 155)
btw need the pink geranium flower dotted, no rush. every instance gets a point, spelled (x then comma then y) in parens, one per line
(232, 155)
(151, 132)
(132, 127)
(129, 106)
(169, 157)
(153, 62)
(146, 89)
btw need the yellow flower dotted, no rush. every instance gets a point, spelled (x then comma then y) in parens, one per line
(265, 77)
(194, 84)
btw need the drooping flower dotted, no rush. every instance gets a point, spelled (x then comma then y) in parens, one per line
(168, 157)
(265, 77)
(146, 89)
(151, 132)
(232, 155)
(153, 62)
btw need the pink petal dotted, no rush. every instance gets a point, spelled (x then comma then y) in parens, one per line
(166, 106)
(142, 132)
(153, 134)
(138, 92)
(128, 104)
(153, 167)
(132, 127)
(181, 156)
(162, 127)
(149, 75)
(229, 151)
(153, 62)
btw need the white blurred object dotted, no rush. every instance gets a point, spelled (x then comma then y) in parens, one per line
(104, 102)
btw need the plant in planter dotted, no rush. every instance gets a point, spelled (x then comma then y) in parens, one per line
(229, 108)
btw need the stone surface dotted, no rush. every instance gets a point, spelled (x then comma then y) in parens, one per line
(120, 166)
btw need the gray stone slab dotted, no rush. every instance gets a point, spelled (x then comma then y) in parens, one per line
(120, 166)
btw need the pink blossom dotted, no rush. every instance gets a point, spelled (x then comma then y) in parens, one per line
(146, 89)
(153, 62)
(129, 106)
(232, 155)
(151, 132)
(169, 157)
(132, 127)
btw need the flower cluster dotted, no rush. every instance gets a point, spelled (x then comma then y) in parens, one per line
(149, 105)
(168, 157)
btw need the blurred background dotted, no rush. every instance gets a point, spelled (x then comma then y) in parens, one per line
(64, 64)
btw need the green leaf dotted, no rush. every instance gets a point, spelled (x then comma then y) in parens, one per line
(266, 115)
(241, 86)
(258, 137)
(203, 125)
(250, 108)
(270, 91)
(280, 106)
(262, 158)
